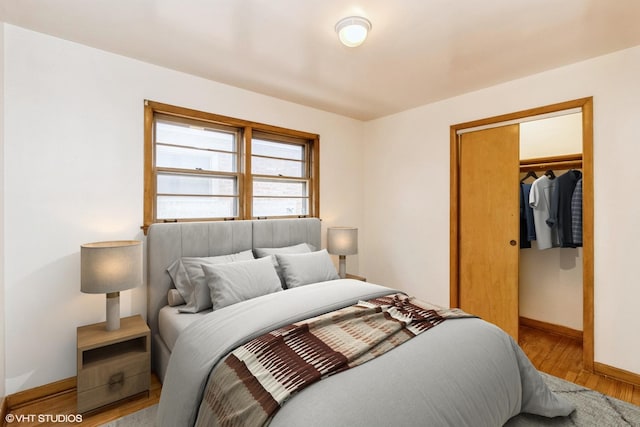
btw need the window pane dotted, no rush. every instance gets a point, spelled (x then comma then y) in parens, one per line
(266, 206)
(193, 159)
(277, 167)
(277, 149)
(196, 185)
(184, 207)
(279, 188)
(194, 136)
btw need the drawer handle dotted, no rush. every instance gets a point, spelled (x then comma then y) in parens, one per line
(116, 380)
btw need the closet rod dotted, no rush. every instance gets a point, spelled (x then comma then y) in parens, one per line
(567, 161)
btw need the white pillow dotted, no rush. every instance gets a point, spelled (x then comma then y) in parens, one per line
(302, 269)
(294, 249)
(188, 278)
(235, 282)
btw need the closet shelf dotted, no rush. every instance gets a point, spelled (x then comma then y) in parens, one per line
(567, 161)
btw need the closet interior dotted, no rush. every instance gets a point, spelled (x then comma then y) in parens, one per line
(550, 271)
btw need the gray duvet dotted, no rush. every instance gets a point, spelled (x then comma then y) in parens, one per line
(464, 372)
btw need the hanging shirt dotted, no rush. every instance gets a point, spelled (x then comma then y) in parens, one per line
(576, 214)
(540, 201)
(528, 211)
(561, 206)
(524, 204)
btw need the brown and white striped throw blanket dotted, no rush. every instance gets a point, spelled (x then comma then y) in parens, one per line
(254, 381)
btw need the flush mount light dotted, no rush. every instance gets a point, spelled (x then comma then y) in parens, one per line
(353, 30)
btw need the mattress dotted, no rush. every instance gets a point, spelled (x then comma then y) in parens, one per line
(171, 323)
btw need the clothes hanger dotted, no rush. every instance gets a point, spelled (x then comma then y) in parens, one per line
(529, 174)
(550, 174)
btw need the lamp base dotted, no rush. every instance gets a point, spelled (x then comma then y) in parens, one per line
(113, 311)
(342, 266)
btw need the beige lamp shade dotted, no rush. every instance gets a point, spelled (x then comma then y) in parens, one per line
(107, 267)
(342, 240)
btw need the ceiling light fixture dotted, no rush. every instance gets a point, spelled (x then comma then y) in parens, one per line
(353, 30)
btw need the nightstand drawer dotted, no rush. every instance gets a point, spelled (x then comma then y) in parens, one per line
(120, 388)
(105, 374)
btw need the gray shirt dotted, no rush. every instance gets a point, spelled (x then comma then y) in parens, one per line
(540, 202)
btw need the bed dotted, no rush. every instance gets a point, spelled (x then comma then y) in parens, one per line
(464, 371)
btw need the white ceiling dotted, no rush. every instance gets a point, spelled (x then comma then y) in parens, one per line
(418, 51)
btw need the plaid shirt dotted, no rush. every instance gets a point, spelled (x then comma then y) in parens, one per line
(576, 214)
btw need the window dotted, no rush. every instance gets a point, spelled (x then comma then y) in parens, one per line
(197, 171)
(280, 176)
(201, 166)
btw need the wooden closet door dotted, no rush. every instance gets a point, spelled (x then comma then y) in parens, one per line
(489, 225)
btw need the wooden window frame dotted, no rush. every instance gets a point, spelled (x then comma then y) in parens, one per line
(246, 130)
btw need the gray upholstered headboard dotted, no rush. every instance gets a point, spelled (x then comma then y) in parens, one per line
(167, 242)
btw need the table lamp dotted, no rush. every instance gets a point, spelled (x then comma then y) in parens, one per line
(108, 268)
(342, 241)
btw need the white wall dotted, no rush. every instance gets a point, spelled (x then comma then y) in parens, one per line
(2, 301)
(74, 174)
(406, 168)
(550, 281)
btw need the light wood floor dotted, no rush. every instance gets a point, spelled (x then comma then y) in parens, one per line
(553, 354)
(562, 357)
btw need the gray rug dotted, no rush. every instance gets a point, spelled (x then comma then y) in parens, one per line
(143, 418)
(593, 410)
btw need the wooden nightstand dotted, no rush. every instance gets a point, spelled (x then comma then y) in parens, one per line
(112, 365)
(353, 276)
